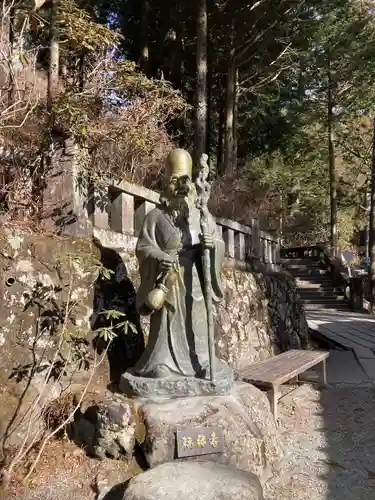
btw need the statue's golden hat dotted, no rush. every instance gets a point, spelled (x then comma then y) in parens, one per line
(179, 163)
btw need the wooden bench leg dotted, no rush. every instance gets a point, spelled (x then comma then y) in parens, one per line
(324, 373)
(274, 398)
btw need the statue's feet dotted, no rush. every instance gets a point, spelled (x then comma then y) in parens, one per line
(161, 371)
(220, 370)
(203, 372)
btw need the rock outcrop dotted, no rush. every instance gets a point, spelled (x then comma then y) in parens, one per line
(186, 480)
(46, 290)
(52, 295)
(107, 429)
(250, 438)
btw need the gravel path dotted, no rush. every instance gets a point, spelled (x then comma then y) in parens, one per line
(329, 437)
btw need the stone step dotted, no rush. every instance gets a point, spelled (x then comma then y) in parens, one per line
(328, 302)
(319, 288)
(319, 292)
(314, 284)
(316, 287)
(308, 271)
(314, 281)
(305, 261)
(320, 298)
(301, 268)
(329, 307)
(309, 276)
(324, 305)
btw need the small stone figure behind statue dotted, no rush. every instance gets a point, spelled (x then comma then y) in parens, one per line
(176, 361)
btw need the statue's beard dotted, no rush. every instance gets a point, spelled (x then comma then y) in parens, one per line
(181, 208)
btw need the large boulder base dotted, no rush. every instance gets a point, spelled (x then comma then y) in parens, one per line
(188, 480)
(251, 441)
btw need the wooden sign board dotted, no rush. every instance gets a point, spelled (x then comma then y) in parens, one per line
(195, 441)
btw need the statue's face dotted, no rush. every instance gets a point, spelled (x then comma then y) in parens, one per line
(179, 186)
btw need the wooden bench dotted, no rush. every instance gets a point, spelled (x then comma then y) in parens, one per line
(281, 369)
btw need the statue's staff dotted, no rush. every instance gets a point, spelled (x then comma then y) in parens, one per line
(203, 190)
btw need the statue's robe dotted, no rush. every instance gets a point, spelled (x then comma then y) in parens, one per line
(178, 337)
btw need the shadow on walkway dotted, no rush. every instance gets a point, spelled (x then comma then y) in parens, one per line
(348, 409)
(349, 428)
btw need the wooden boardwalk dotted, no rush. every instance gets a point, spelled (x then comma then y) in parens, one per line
(352, 331)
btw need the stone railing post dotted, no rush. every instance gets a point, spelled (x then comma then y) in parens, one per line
(122, 213)
(219, 230)
(100, 208)
(272, 251)
(239, 246)
(228, 237)
(266, 246)
(141, 209)
(261, 248)
(277, 251)
(65, 199)
(255, 238)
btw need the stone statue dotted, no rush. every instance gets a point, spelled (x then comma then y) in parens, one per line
(170, 249)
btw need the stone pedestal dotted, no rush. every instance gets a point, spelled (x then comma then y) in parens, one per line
(250, 437)
(161, 389)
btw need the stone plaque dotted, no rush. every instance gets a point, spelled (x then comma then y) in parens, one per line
(195, 441)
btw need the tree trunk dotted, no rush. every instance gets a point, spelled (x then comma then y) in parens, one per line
(230, 98)
(332, 168)
(12, 83)
(81, 72)
(372, 228)
(367, 227)
(301, 80)
(221, 138)
(178, 63)
(235, 123)
(201, 85)
(281, 219)
(144, 52)
(209, 107)
(45, 165)
(229, 114)
(54, 54)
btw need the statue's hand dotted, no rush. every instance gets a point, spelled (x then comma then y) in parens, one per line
(166, 263)
(207, 240)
